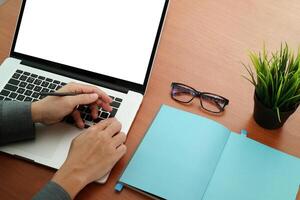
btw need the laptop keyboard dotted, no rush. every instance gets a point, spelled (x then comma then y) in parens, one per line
(25, 86)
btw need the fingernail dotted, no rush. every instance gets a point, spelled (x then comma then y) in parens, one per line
(94, 96)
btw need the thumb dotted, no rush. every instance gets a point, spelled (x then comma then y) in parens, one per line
(82, 99)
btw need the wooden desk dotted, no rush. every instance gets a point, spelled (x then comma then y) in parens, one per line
(202, 45)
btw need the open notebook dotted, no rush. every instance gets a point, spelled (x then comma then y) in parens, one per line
(185, 156)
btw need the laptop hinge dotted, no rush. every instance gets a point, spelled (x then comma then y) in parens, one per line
(76, 76)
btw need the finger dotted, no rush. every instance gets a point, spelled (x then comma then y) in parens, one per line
(119, 139)
(94, 110)
(121, 150)
(82, 99)
(81, 88)
(113, 128)
(104, 105)
(77, 118)
(104, 123)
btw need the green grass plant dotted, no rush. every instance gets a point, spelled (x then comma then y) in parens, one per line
(276, 78)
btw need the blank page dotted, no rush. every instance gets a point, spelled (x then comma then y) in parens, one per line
(249, 170)
(177, 156)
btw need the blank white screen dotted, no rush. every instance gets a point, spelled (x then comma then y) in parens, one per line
(110, 37)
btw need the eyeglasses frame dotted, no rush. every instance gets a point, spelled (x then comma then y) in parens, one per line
(200, 95)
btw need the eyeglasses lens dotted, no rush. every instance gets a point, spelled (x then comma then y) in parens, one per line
(212, 103)
(182, 93)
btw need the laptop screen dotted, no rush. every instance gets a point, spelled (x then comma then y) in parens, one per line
(110, 37)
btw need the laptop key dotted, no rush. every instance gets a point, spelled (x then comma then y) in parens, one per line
(26, 73)
(5, 92)
(45, 90)
(34, 75)
(82, 115)
(113, 113)
(7, 99)
(56, 82)
(30, 80)
(37, 88)
(118, 99)
(23, 78)
(28, 99)
(21, 90)
(13, 95)
(88, 117)
(2, 97)
(52, 86)
(28, 92)
(16, 75)
(87, 109)
(104, 115)
(63, 84)
(22, 84)
(14, 81)
(19, 71)
(49, 79)
(10, 87)
(35, 95)
(20, 97)
(115, 104)
(37, 82)
(81, 108)
(30, 86)
(58, 87)
(41, 77)
(45, 84)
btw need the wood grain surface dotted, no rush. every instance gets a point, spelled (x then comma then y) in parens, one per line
(203, 44)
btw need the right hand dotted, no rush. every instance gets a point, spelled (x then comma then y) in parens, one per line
(51, 109)
(91, 156)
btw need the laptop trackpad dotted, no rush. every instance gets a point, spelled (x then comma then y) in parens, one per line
(48, 140)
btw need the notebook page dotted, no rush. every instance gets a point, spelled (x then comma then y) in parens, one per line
(177, 156)
(250, 170)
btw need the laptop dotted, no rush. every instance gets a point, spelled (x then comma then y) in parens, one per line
(108, 44)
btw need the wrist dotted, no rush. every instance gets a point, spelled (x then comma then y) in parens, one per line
(36, 112)
(70, 180)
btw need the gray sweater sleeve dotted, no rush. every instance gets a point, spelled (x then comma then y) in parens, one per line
(15, 122)
(52, 191)
(16, 125)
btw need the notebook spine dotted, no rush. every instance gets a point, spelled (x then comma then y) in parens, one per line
(119, 187)
(244, 132)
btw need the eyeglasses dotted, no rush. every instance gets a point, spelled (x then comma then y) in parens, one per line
(210, 102)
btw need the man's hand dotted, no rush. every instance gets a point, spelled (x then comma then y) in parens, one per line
(91, 156)
(52, 109)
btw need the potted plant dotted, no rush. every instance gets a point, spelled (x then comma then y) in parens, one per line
(277, 85)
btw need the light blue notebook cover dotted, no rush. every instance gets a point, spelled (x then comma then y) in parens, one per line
(185, 156)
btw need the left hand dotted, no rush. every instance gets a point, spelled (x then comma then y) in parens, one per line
(92, 155)
(51, 109)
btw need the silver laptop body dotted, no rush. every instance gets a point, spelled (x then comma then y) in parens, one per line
(48, 51)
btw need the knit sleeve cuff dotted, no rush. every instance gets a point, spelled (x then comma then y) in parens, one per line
(15, 122)
(52, 191)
